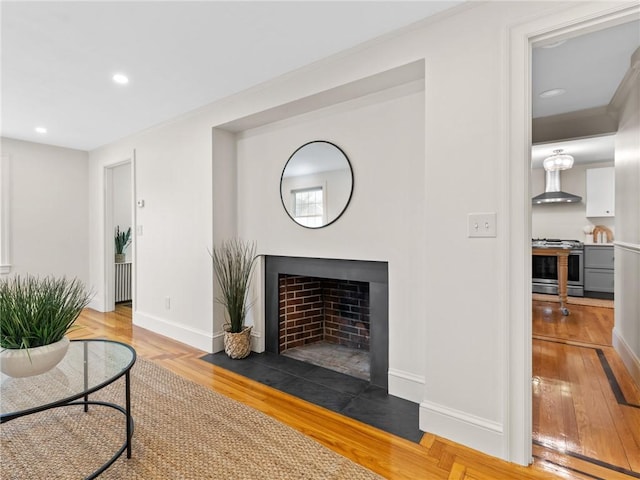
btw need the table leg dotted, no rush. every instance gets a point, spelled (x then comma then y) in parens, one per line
(86, 375)
(563, 274)
(128, 408)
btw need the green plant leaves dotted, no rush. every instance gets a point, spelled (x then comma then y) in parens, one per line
(38, 311)
(122, 239)
(233, 263)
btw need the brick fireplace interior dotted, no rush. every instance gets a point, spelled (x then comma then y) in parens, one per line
(329, 312)
(325, 322)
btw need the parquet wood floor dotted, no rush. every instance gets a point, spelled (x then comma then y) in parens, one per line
(389, 456)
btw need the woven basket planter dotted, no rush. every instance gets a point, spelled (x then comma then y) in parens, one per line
(238, 345)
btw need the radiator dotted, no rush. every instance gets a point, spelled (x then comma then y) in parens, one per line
(123, 282)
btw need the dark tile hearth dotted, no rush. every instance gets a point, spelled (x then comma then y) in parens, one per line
(349, 396)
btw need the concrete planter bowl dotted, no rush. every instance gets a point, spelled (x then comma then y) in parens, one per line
(23, 362)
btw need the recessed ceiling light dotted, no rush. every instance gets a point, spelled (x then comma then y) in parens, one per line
(41, 129)
(554, 92)
(120, 79)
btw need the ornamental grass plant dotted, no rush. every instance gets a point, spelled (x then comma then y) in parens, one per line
(122, 239)
(38, 311)
(233, 264)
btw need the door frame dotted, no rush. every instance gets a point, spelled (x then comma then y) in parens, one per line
(569, 22)
(109, 247)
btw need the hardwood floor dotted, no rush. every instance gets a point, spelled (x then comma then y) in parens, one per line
(389, 456)
(586, 324)
(585, 404)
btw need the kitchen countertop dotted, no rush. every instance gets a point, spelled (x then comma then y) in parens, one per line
(598, 244)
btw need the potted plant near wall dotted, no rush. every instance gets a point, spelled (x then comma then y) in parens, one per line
(233, 264)
(36, 313)
(122, 242)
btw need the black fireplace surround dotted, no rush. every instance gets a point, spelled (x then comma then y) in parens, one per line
(374, 273)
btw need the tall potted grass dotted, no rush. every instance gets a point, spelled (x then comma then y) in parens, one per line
(233, 263)
(36, 313)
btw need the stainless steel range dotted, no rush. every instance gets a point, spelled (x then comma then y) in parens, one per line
(545, 269)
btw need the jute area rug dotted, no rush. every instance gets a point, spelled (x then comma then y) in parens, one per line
(182, 431)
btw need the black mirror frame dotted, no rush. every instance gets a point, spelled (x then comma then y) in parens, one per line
(350, 193)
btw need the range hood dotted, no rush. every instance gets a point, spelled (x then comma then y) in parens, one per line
(553, 165)
(552, 192)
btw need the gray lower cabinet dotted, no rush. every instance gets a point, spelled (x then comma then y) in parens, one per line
(598, 271)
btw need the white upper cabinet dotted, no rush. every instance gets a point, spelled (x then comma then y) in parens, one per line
(601, 192)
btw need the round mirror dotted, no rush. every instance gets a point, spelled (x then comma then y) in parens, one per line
(316, 184)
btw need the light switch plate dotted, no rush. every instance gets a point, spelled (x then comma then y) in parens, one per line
(481, 224)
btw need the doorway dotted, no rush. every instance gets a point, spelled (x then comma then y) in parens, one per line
(585, 403)
(119, 262)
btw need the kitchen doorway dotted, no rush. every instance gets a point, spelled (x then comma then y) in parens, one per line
(585, 403)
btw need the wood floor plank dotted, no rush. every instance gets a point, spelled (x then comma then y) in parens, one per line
(458, 472)
(388, 455)
(604, 441)
(572, 467)
(566, 362)
(587, 324)
(625, 419)
(629, 388)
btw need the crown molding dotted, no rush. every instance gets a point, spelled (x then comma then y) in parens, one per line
(626, 85)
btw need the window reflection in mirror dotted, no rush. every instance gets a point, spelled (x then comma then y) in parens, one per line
(316, 184)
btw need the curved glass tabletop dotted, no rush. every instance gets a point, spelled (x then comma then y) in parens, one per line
(88, 366)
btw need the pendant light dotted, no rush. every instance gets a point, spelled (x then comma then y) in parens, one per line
(558, 161)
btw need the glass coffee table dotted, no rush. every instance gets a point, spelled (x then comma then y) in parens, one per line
(88, 366)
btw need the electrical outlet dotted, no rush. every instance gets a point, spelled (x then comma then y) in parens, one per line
(481, 224)
(167, 303)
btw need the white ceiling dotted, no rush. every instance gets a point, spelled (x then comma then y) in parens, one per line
(588, 67)
(58, 57)
(583, 150)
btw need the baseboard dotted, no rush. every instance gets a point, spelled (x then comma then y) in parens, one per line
(257, 342)
(406, 385)
(218, 342)
(479, 433)
(191, 336)
(96, 305)
(629, 358)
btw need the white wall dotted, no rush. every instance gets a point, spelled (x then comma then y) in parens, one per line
(173, 177)
(121, 177)
(565, 220)
(383, 137)
(5, 212)
(626, 332)
(49, 209)
(460, 329)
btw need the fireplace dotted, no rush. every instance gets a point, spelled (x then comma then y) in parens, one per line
(343, 302)
(313, 309)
